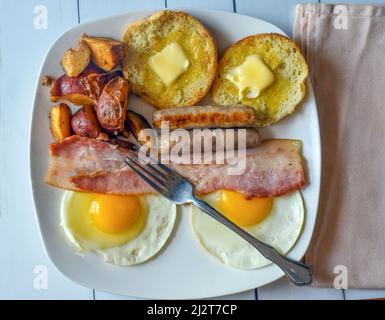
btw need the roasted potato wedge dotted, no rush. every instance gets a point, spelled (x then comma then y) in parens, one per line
(106, 53)
(74, 89)
(60, 117)
(76, 60)
(136, 123)
(85, 123)
(82, 90)
(112, 104)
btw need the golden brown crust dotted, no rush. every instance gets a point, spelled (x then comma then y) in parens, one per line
(249, 39)
(106, 53)
(74, 61)
(60, 121)
(205, 117)
(112, 104)
(162, 18)
(250, 42)
(136, 123)
(83, 89)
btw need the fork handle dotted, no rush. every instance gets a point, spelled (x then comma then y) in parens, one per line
(299, 273)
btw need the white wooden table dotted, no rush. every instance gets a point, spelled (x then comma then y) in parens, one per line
(22, 48)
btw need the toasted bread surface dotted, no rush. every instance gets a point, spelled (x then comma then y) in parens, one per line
(283, 58)
(149, 36)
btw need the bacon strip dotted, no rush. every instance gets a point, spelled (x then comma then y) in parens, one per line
(84, 164)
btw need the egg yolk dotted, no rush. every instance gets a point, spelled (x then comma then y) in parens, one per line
(114, 214)
(241, 211)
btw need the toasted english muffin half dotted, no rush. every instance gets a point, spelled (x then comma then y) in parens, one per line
(144, 38)
(283, 58)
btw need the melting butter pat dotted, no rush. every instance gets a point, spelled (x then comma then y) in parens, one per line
(251, 77)
(169, 63)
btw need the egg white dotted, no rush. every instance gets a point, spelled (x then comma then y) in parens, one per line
(161, 216)
(280, 229)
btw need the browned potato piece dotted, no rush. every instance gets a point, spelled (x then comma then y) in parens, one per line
(60, 121)
(76, 60)
(83, 89)
(106, 53)
(84, 122)
(112, 104)
(136, 123)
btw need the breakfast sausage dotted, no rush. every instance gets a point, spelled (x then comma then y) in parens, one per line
(137, 123)
(206, 117)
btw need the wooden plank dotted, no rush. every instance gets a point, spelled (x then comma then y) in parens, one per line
(94, 9)
(224, 5)
(281, 13)
(283, 290)
(22, 252)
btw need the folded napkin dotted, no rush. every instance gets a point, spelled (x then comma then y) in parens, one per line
(345, 49)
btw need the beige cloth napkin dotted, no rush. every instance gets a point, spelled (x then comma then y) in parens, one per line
(347, 67)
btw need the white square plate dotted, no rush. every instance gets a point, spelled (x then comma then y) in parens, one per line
(182, 270)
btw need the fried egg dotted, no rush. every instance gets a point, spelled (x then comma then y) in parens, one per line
(125, 230)
(276, 221)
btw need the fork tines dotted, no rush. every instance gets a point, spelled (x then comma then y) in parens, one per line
(156, 174)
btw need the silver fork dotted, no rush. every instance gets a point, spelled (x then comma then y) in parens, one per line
(179, 190)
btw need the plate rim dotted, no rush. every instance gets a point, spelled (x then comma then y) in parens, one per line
(317, 157)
